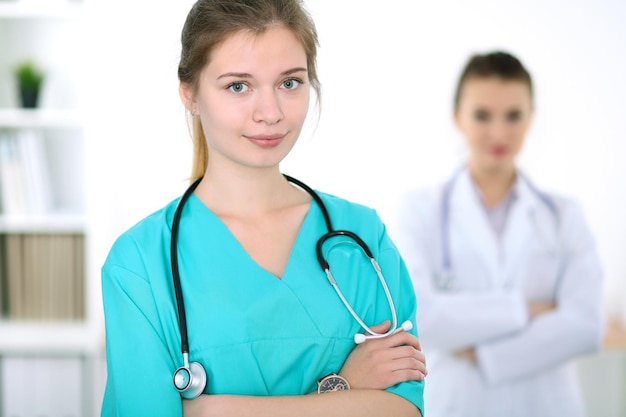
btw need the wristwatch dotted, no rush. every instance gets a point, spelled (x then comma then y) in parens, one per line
(332, 382)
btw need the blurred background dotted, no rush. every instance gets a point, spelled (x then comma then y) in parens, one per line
(118, 144)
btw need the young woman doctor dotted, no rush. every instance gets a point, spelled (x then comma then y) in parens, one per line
(508, 276)
(271, 333)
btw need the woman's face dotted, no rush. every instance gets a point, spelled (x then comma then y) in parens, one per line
(494, 116)
(252, 98)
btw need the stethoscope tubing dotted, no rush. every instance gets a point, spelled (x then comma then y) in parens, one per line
(180, 302)
(326, 268)
(446, 275)
(182, 319)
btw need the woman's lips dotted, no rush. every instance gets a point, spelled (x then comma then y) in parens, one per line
(266, 141)
(499, 150)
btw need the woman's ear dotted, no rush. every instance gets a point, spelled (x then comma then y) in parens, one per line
(187, 96)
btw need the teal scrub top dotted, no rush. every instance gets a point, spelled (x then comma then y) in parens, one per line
(254, 334)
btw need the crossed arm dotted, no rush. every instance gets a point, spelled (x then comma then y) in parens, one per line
(370, 368)
(535, 309)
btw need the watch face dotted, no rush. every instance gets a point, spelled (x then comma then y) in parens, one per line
(333, 383)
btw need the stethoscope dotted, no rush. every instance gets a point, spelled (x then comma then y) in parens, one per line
(191, 379)
(445, 277)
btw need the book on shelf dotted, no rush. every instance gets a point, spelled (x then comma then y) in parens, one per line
(44, 276)
(14, 258)
(24, 173)
(36, 170)
(4, 285)
(11, 180)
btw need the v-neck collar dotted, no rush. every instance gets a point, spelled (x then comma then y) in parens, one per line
(198, 206)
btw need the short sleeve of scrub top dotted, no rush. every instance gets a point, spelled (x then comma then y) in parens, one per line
(254, 334)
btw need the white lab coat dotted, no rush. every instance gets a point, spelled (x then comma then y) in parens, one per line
(523, 368)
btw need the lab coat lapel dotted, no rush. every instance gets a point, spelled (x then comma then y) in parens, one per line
(469, 224)
(517, 233)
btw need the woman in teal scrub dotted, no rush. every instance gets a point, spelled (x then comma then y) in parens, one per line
(275, 321)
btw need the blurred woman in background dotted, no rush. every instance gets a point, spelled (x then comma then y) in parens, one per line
(507, 275)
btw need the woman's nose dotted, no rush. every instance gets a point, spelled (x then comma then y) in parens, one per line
(499, 131)
(267, 107)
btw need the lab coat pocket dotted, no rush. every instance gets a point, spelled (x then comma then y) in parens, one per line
(542, 274)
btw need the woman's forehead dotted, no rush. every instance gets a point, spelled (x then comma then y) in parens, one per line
(246, 51)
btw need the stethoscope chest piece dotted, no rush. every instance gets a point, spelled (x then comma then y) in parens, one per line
(190, 380)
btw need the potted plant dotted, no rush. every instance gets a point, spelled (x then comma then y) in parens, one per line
(29, 81)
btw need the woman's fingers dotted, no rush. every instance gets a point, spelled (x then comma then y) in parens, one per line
(381, 362)
(380, 328)
(397, 339)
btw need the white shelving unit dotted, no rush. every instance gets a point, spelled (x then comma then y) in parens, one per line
(16, 9)
(40, 338)
(14, 118)
(63, 357)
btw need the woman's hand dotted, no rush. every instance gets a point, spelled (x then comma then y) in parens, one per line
(535, 308)
(468, 354)
(383, 362)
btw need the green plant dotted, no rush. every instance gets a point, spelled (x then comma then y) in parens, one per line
(28, 75)
(29, 80)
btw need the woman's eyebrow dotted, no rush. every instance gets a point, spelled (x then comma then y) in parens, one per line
(235, 75)
(248, 75)
(293, 70)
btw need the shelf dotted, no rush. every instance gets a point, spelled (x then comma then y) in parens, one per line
(48, 223)
(51, 325)
(23, 338)
(40, 118)
(50, 9)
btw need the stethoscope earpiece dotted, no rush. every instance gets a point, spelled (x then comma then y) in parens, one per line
(407, 325)
(360, 337)
(190, 380)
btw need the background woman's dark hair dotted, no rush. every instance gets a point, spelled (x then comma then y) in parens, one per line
(496, 64)
(210, 22)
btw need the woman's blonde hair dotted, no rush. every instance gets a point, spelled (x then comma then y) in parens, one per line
(210, 22)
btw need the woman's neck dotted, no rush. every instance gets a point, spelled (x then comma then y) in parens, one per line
(494, 185)
(247, 193)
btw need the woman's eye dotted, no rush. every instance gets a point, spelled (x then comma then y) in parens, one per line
(481, 116)
(238, 87)
(514, 116)
(291, 84)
